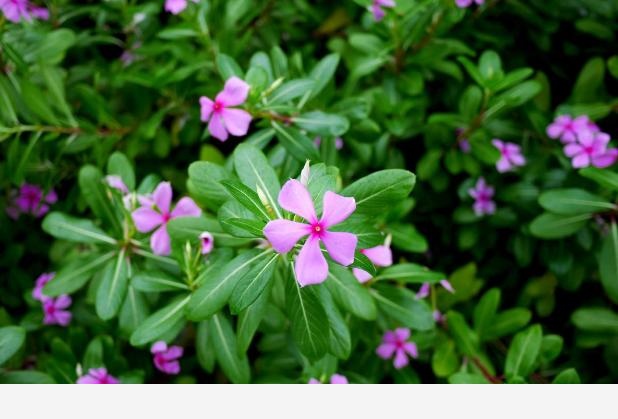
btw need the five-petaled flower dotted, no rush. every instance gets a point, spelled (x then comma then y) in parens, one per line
(310, 265)
(177, 6)
(223, 119)
(376, 8)
(147, 218)
(55, 311)
(16, 10)
(510, 155)
(97, 376)
(568, 129)
(591, 149)
(166, 359)
(467, 3)
(396, 343)
(30, 199)
(334, 379)
(482, 194)
(381, 256)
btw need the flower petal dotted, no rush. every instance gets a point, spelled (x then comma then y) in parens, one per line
(310, 266)
(338, 379)
(386, 350)
(379, 255)
(581, 160)
(174, 352)
(411, 349)
(336, 208)
(162, 196)
(402, 333)
(160, 241)
(295, 198)
(362, 275)
(234, 92)
(206, 107)
(284, 234)
(186, 207)
(340, 246)
(216, 128)
(236, 121)
(159, 346)
(63, 301)
(401, 359)
(145, 219)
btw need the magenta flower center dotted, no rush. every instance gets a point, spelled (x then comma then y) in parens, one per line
(317, 229)
(166, 217)
(217, 107)
(50, 309)
(399, 344)
(589, 150)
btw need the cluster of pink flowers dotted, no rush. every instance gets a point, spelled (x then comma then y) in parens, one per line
(510, 155)
(97, 376)
(334, 379)
(30, 199)
(16, 10)
(225, 120)
(54, 309)
(166, 358)
(583, 140)
(482, 194)
(376, 8)
(395, 345)
(177, 6)
(467, 3)
(310, 265)
(381, 256)
(156, 212)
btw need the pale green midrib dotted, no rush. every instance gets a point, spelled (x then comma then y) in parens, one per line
(589, 203)
(288, 136)
(133, 304)
(305, 318)
(290, 87)
(257, 204)
(115, 277)
(381, 191)
(570, 220)
(386, 300)
(225, 346)
(264, 188)
(257, 276)
(180, 305)
(85, 268)
(165, 281)
(87, 233)
(521, 353)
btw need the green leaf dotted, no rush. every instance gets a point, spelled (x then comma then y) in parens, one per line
(188, 229)
(589, 82)
(251, 285)
(308, 319)
(205, 186)
(228, 67)
(296, 143)
(119, 165)
(291, 90)
(113, 287)
(55, 84)
(523, 352)
(340, 340)
(254, 228)
(235, 366)
(555, 226)
(250, 318)
(349, 293)
(573, 201)
(401, 305)
(160, 322)
(380, 190)
(133, 312)
(406, 237)
(203, 347)
(321, 123)
(75, 275)
(467, 341)
(247, 197)
(608, 263)
(156, 281)
(95, 194)
(596, 320)
(323, 72)
(25, 377)
(507, 322)
(467, 378)
(568, 376)
(605, 178)
(485, 311)
(444, 360)
(11, 339)
(177, 32)
(216, 288)
(79, 230)
(410, 273)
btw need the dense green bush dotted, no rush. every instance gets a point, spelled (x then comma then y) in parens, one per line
(453, 158)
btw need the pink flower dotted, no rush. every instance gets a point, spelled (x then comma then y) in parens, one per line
(510, 155)
(381, 256)
(15, 10)
(44, 278)
(54, 310)
(396, 343)
(482, 194)
(423, 292)
(467, 3)
(166, 359)
(223, 119)
(310, 265)
(177, 6)
(147, 218)
(568, 129)
(30, 200)
(97, 376)
(591, 149)
(208, 242)
(116, 182)
(334, 379)
(376, 8)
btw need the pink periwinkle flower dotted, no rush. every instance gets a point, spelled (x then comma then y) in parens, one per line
(223, 119)
(381, 256)
(376, 8)
(97, 376)
(55, 310)
(396, 343)
(310, 265)
(30, 199)
(208, 242)
(568, 129)
(482, 194)
(591, 149)
(334, 379)
(166, 359)
(149, 217)
(177, 6)
(467, 3)
(44, 278)
(338, 142)
(16, 10)
(510, 155)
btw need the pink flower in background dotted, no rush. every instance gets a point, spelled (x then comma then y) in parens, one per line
(177, 6)
(482, 195)
(338, 142)
(591, 149)
(423, 292)
(381, 256)
(97, 376)
(395, 343)
(334, 379)
(116, 182)
(223, 119)
(166, 359)
(376, 8)
(208, 242)
(510, 155)
(310, 265)
(467, 3)
(568, 129)
(16, 10)
(464, 145)
(55, 310)
(147, 218)
(44, 278)
(30, 199)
